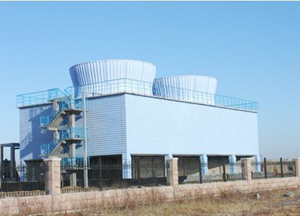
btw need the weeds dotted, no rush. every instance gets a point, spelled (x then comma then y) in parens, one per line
(152, 201)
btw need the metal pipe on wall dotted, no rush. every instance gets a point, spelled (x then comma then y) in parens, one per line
(85, 171)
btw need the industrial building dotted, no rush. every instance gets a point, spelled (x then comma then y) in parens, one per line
(118, 110)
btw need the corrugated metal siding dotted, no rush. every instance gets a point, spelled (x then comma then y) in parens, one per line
(142, 125)
(157, 126)
(106, 125)
(31, 136)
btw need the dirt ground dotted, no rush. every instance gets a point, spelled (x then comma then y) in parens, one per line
(269, 203)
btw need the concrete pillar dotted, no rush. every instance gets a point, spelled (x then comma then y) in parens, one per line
(52, 174)
(72, 125)
(173, 171)
(73, 174)
(55, 106)
(72, 102)
(56, 136)
(204, 164)
(126, 166)
(72, 149)
(297, 164)
(12, 161)
(246, 169)
(257, 163)
(232, 162)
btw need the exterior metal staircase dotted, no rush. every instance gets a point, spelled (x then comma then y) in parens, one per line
(57, 150)
(70, 135)
(62, 123)
(56, 122)
(62, 107)
(51, 149)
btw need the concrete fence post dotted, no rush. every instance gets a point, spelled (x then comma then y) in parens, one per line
(297, 164)
(52, 175)
(246, 169)
(172, 171)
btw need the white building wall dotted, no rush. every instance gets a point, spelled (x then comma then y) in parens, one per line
(158, 126)
(106, 126)
(131, 124)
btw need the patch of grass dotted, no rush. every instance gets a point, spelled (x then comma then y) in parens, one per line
(270, 203)
(151, 202)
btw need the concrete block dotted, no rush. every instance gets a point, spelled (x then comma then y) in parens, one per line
(246, 168)
(297, 163)
(172, 171)
(52, 175)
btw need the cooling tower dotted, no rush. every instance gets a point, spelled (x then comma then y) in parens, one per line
(113, 76)
(200, 89)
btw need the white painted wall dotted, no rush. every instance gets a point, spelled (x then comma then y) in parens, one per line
(158, 126)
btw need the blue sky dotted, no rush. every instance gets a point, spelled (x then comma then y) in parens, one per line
(252, 48)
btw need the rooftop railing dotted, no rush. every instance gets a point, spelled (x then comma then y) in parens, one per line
(39, 97)
(141, 88)
(164, 91)
(113, 87)
(203, 98)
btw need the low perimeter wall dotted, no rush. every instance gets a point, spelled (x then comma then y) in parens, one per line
(55, 202)
(86, 201)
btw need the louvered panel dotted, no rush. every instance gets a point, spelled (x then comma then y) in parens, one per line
(187, 88)
(107, 70)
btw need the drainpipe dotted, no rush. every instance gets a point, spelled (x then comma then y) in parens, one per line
(85, 171)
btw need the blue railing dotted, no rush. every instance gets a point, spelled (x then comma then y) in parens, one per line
(79, 105)
(72, 133)
(170, 92)
(69, 133)
(112, 87)
(70, 102)
(47, 148)
(74, 162)
(38, 97)
(143, 88)
(203, 97)
(45, 120)
(63, 104)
